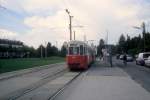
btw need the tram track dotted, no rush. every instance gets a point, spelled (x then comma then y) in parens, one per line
(56, 87)
(23, 91)
(52, 97)
(41, 77)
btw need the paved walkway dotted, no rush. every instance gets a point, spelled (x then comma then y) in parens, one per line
(104, 83)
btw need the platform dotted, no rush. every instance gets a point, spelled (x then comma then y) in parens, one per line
(104, 83)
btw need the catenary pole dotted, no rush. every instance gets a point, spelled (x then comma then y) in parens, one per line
(70, 23)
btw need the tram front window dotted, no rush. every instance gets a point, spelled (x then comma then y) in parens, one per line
(73, 50)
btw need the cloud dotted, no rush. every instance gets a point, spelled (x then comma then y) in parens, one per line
(58, 20)
(41, 6)
(6, 34)
(44, 29)
(35, 37)
(48, 20)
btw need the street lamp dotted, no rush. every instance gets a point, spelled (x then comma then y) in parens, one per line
(143, 32)
(70, 23)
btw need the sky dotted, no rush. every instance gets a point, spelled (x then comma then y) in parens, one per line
(37, 22)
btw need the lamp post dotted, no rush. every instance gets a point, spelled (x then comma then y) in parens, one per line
(74, 35)
(45, 49)
(70, 23)
(143, 32)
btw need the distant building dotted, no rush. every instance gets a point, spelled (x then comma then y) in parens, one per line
(7, 43)
(11, 48)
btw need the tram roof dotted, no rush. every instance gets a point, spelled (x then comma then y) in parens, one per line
(78, 42)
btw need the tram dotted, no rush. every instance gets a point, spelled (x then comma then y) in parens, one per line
(80, 55)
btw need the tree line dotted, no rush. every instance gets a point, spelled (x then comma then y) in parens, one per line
(128, 45)
(50, 50)
(133, 45)
(16, 49)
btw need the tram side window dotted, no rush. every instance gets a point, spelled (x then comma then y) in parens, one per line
(76, 50)
(70, 50)
(81, 49)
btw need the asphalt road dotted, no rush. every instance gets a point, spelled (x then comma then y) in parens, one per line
(139, 74)
(102, 82)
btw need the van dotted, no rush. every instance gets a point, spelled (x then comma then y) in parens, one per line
(142, 57)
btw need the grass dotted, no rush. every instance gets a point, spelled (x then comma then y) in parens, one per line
(7, 65)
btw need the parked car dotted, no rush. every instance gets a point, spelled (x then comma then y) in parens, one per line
(129, 58)
(147, 62)
(142, 57)
(121, 57)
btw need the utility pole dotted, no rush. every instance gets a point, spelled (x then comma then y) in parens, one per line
(74, 35)
(84, 38)
(70, 26)
(45, 49)
(143, 32)
(41, 51)
(70, 23)
(106, 39)
(56, 44)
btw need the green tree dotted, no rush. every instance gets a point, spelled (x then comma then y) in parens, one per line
(63, 51)
(40, 51)
(49, 49)
(52, 50)
(122, 47)
(100, 47)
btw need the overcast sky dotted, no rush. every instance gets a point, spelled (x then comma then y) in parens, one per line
(39, 21)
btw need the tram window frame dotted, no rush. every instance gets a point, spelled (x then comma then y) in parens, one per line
(88, 53)
(81, 50)
(85, 50)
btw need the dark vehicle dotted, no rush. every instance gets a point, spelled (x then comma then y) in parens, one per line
(129, 58)
(121, 57)
(117, 56)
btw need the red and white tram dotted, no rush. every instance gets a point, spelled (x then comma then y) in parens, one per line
(80, 55)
